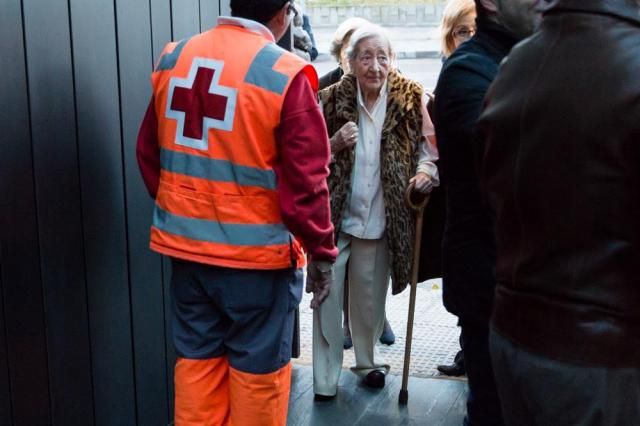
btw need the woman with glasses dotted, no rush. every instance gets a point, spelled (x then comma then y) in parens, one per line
(458, 24)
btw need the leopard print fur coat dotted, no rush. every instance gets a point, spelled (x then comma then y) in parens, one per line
(401, 134)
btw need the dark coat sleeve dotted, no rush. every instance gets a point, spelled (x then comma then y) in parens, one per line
(468, 245)
(330, 78)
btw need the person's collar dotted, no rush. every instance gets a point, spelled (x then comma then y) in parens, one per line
(248, 24)
(497, 33)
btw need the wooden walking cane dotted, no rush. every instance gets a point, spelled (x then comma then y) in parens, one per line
(418, 207)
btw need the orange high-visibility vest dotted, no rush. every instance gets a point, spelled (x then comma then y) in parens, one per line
(218, 99)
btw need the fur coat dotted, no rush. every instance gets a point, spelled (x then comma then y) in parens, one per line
(401, 135)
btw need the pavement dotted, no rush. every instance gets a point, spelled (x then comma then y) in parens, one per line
(410, 42)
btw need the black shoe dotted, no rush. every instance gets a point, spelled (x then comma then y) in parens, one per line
(347, 343)
(451, 370)
(320, 398)
(387, 337)
(375, 379)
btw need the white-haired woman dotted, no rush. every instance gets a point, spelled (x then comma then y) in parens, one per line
(339, 46)
(383, 117)
(338, 50)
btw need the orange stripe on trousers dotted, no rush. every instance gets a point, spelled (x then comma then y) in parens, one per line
(259, 399)
(202, 392)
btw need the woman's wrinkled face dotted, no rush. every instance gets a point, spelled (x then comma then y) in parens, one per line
(463, 30)
(371, 63)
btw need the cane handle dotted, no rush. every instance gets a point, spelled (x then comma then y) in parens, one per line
(416, 201)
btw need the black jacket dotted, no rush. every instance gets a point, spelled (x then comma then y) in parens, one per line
(561, 165)
(332, 77)
(468, 246)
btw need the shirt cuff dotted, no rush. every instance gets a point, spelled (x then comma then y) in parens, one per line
(431, 169)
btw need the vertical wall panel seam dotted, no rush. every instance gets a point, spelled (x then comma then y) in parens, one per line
(200, 15)
(153, 54)
(35, 198)
(171, 17)
(82, 228)
(126, 214)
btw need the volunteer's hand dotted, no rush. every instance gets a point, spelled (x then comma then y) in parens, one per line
(421, 183)
(319, 280)
(344, 138)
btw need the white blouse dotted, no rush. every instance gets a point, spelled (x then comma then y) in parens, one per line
(364, 216)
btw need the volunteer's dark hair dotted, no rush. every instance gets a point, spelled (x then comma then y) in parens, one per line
(257, 10)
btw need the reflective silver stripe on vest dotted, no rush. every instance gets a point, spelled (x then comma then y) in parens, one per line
(213, 231)
(168, 60)
(261, 72)
(216, 170)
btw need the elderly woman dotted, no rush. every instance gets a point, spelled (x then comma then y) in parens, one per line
(339, 46)
(374, 161)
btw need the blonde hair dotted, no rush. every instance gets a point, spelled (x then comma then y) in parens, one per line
(454, 12)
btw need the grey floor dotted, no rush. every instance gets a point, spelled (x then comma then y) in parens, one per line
(432, 401)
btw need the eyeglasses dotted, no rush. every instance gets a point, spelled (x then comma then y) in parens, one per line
(463, 33)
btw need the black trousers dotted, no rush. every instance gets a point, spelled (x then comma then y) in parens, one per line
(535, 390)
(483, 404)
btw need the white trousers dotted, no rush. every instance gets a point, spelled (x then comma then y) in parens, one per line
(368, 282)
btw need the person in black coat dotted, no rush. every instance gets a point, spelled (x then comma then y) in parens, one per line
(456, 27)
(560, 145)
(468, 245)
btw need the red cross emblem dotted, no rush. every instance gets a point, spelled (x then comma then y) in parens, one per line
(198, 103)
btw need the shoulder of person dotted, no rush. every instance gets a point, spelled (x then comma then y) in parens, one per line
(468, 68)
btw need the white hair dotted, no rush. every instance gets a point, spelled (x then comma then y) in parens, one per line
(349, 25)
(369, 31)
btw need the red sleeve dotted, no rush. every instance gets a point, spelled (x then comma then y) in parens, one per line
(148, 150)
(302, 171)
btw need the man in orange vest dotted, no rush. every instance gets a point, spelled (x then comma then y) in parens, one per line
(234, 150)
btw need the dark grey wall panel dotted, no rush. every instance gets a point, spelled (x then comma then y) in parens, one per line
(160, 26)
(60, 213)
(5, 391)
(24, 326)
(185, 16)
(85, 307)
(135, 56)
(98, 123)
(209, 12)
(171, 352)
